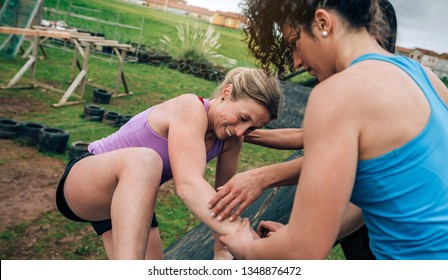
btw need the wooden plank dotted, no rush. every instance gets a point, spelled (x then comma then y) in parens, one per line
(119, 46)
(95, 40)
(32, 32)
(120, 70)
(22, 71)
(71, 89)
(57, 105)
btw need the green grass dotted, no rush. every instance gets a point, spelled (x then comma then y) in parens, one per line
(156, 24)
(54, 237)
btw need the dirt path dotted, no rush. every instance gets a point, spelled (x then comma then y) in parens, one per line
(27, 182)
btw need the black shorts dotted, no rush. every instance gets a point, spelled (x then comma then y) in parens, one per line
(99, 226)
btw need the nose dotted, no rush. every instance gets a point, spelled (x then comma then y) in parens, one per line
(297, 60)
(242, 130)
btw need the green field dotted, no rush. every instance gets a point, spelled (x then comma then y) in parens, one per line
(150, 85)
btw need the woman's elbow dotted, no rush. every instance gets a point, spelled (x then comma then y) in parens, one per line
(180, 191)
(185, 189)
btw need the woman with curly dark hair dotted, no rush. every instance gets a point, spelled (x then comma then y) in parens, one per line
(374, 132)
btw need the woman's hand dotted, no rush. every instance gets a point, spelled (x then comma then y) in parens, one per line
(268, 228)
(236, 195)
(239, 241)
(223, 254)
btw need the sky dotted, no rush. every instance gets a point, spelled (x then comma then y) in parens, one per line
(421, 23)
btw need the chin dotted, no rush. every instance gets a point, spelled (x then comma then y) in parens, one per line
(222, 136)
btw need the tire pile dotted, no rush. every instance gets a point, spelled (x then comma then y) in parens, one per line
(200, 70)
(46, 139)
(96, 113)
(146, 54)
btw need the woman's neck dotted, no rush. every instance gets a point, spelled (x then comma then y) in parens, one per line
(355, 45)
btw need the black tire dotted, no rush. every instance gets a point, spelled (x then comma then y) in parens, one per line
(9, 128)
(195, 71)
(112, 118)
(173, 64)
(29, 133)
(124, 119)
(52, 140)
(77, 148)
(183, 66)
(101, 96)
(93, 110)
(93, 113)
(155, 62)
(143, 57)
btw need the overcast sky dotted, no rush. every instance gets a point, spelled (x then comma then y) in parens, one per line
(421, 23)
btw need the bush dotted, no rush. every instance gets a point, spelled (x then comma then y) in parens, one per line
(198, 45)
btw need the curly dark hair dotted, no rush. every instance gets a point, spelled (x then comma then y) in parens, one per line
(266, 18)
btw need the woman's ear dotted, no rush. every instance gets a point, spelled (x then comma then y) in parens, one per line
(324, 22)
(226, 92)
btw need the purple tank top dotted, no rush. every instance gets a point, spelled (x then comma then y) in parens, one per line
(138, 133)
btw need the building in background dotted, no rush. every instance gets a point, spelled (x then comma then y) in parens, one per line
(180, 7)
(438, 63)
(228, 19)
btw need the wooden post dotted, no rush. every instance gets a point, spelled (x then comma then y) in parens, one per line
(85, 63)
(120, 71)
(35, 54)
(80, 81)
(20, 73)
(74, 62)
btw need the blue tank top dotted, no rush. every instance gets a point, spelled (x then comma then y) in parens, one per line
(138, 133)
(404, 193)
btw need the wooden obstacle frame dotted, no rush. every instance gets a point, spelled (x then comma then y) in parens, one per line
(83, 43)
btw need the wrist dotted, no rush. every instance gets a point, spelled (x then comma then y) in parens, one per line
(265, 177)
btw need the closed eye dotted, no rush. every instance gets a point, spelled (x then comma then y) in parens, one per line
(244, 119)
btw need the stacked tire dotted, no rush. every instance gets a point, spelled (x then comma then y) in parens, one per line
(124, 119)
(112, 118)
(52, 140)
(46, 139)
(200, 70)
(93, 113)
(29, 133)
(77, 148)
(101, 96)
(9, 128)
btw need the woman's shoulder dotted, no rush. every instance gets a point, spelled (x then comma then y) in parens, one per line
(183, 101)
(186, 97)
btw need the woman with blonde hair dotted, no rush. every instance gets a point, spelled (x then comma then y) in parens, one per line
(115, 185)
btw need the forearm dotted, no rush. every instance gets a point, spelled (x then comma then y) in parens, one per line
(282, 138)
(280, 174)
(196, 197)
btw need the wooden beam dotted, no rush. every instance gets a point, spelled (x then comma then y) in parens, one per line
(22, 71)
(32, 32)
(72, 88)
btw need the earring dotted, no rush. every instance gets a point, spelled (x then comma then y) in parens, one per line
(324, 33)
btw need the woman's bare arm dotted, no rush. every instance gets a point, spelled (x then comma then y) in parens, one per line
(186, 145)
(280, 138)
